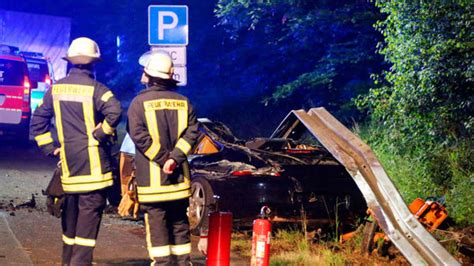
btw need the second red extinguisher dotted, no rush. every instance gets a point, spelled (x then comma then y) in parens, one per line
(262, 230)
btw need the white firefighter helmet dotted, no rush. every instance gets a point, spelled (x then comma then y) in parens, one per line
(157, 64)
(83, 51)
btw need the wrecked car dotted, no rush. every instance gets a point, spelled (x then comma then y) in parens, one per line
(311, 169)
(295, 176)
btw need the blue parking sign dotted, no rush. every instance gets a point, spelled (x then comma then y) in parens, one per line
(167, 25)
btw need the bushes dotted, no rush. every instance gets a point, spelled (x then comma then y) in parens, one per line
(461, 164)
(422, 108)
(427, 170)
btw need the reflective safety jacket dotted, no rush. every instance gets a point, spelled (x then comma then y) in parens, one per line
(163, 125)
(79, 104)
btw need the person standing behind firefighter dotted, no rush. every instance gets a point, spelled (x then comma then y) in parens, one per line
(86, 114)
(164, 128)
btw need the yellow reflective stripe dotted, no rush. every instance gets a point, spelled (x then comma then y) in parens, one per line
(154, 252)
(44, 139)
(59, 127)
(73, 90)
(85, 178)
(164, 196)
(92, 146)
(158, 188)
(181, 249)
(107, 128)
(165, 104)
(164, 189)
(87, 242)
(106, 96)
(148, 233)
(155, 181)
(87, 187)
(155, 135)
(182, 121)
(72, 93)
(183, 145)
(155, 175)
(68, 241)
(152, 151)
(162, 251)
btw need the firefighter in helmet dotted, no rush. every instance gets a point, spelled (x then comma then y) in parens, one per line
(86, 114)
(164, 128)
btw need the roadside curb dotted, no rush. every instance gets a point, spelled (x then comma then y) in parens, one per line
(11, 251)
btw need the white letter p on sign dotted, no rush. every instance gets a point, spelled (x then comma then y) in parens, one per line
(161, 22)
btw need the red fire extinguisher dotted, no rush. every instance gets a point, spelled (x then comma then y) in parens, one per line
(219, 236)
(262, 230)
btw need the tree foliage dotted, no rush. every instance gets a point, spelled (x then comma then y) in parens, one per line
(428, 91)
(422, 107)
(319, 53)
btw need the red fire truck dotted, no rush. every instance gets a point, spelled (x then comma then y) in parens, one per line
(15, 94)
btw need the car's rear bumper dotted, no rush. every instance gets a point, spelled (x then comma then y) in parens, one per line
(245, 196)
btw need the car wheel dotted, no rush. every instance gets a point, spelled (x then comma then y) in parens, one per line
(201, 197)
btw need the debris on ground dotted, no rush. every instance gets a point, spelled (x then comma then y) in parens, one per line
(28, 204)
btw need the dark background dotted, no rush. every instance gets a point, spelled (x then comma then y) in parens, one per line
(234, 70)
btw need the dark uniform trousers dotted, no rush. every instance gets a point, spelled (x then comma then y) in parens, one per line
(167, 232)
(80, 222)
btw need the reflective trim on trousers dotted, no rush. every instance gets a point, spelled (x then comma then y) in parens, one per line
(68, 241)
(181, 249)
(162, 251)
(87, 242)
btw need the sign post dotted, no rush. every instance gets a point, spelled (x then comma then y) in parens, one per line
(168, 31)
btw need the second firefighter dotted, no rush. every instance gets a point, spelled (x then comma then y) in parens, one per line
(164, 128)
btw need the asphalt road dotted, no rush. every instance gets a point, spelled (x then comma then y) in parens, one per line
(29, 235)
(24, 171)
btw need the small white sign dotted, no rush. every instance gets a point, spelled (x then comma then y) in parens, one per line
(177, 53)
(180, 74)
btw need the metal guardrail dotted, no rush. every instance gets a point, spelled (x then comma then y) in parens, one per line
(392, 214)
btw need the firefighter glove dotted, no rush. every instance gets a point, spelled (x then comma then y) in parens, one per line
(129, 200)
(126, 205)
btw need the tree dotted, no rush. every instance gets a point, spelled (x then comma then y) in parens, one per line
(304, 53)
(428, 89)
(423, 105)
